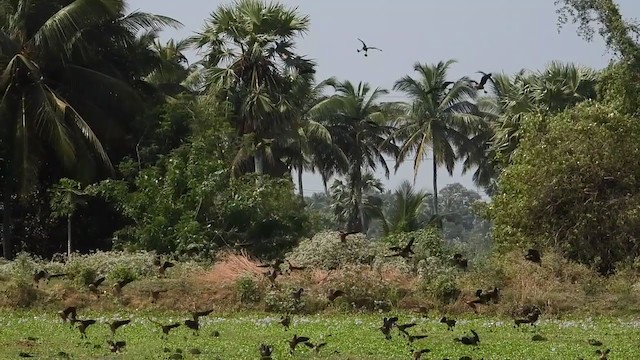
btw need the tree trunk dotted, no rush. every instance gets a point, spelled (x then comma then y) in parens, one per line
(325, 180)
(69, 248)
(7, 222)
(258, 161)
(300, 189)
(435, 185)
(357, 189)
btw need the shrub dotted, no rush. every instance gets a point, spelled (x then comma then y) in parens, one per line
(248, 290)
(325, 251)
(573, 186)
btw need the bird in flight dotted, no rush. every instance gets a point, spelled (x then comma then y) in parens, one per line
(366, 48)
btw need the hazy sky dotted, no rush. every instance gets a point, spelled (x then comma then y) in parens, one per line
(489, 35)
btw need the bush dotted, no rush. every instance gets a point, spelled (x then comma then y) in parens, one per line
(325, 251)
(574, 185)
(248, 290)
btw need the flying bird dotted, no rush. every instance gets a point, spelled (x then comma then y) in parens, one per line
(366, 48)
(404, 251)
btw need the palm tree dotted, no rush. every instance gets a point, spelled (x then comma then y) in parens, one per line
(358, 125)
(356, 212)
(309, 137)
(46, 71)
(551, 90)
(249, 48)
(405, 212)
(435, 118)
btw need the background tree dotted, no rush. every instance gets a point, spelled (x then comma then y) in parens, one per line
(435, 118)
(572, 186)
(358, 125)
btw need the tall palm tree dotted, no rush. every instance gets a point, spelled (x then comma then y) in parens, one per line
(46, 71)
(248, 48)
(358, 125)
(436, 118)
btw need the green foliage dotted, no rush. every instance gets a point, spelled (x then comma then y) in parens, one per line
(573, 185)
(248, 290)
(617, 91)
(438, 279)
(325, 251)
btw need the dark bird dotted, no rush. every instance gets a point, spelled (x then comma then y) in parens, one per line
(166, 328)
(531, 317)
(533, 255)
(165, 265)
(115, 324)
(343, 235)
(594, 342)
(44, 275)
(483, 80)
(315, 347)
(117, 287)
(93, 286)
(25, 354)
(387, 325)
(417, 354)
(265, 352)
(604, 355)
(413, 338)
(404, 251)
(403, 327)
(285, 321)
(366, 48)
(155, 295)
(193, 325)
(295, 341)
(116, 346)
(83, 325)
(271, 275)
(68, 311)
(334, 294)
(485, 298)
(297, 294)
(460, 261)
(198, 314)
(469, 340)
(450, 323)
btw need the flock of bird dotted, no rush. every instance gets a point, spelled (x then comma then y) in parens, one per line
(474, 84)
(525, 315)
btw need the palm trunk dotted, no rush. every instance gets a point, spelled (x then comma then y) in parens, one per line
(300, 183)
(7, 221)
(258, 162)
(69, 248)
(325, 180)
(435, 185)
(357, 189)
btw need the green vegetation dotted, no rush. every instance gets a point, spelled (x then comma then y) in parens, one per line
(117, 154)
(351, 336)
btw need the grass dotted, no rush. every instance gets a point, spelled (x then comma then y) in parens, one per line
(352, 337)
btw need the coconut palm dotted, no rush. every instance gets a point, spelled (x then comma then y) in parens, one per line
(358, 125)
(248, 49)
(406, 209)
(353, 210)
(46, 71)
(437, 118)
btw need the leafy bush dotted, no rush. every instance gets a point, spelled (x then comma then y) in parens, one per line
(574, 185)
(248, 290)
(325, 251)
(438, 279)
